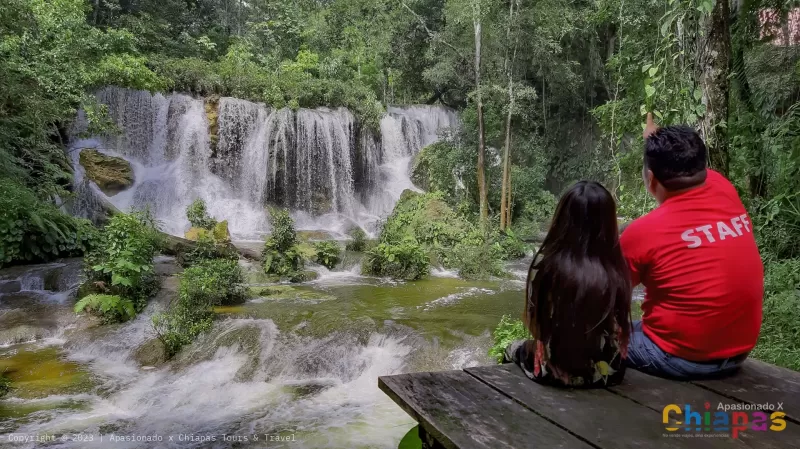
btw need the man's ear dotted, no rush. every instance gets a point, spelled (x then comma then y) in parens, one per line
(650, 181)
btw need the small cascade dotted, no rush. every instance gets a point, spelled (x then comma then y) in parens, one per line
(404, 132)
(320, 163)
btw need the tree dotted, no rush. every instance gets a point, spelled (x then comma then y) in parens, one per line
(713, 67)
(505, 199)
(484, 206)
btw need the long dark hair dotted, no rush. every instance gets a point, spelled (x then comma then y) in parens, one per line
(579, 285)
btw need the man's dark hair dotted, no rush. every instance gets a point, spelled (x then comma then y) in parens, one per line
(677, 157)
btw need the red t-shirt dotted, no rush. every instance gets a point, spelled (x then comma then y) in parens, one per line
(704, 280)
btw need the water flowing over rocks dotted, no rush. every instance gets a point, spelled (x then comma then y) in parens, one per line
(240, 156)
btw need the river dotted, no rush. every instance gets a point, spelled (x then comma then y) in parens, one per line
(300, 365)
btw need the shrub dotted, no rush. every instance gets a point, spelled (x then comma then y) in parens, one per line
(181, 325)
(111, 308)
(206, 248)
(511, 245)
(283, 234)
(779, 340)
(507, 332)
(328, 253)
(32, 230)
(210, 283)
(123, 258)
(425, 218)
(281, 255)
(281, 263)
(406, 260)
(214, 282)
(476, 261)
(198, 216)
(359, 242)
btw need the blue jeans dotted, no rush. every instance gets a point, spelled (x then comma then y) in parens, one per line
(645, 356)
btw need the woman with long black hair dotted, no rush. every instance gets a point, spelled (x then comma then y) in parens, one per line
(578, 296)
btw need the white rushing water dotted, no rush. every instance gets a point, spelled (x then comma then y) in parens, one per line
(320, 163)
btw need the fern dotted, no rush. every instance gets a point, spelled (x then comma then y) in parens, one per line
(111, 308)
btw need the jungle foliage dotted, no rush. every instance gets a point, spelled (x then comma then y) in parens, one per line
(557, 93)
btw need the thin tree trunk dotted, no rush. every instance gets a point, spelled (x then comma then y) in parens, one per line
(484, 210)
(505, 195)
(714, 58)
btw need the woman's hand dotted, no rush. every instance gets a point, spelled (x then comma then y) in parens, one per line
(650, 127)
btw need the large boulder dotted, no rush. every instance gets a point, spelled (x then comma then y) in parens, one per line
(111, 174)
(151, 353)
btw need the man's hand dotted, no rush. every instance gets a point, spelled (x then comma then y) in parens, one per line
(650, 127)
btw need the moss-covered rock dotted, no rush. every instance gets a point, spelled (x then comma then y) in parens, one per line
(195, 234)
(151, 353)
(221, 233)
(111, 174)
(212, 116)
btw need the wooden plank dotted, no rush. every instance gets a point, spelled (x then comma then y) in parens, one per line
(460, 412)
(655, 393)
(599, 416)
(758, 383)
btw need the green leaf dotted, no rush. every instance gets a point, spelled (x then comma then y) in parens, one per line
(649, 90)
(646, 67)
(698, 94)
(652, 72)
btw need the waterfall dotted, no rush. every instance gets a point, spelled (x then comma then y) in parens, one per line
(321, 163)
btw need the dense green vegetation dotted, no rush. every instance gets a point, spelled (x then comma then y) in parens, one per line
(508, 331)
(359, 240)
(198, 216)
(110, 308)
(328, 253)
(212, 277)
(549, 92)
(281, 254)
(120, 268)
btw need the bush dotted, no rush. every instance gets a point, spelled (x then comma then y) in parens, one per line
(425, 218)
(507, 332)
(111, 308)
(477, 261)
(123, 257)
(359, 242)
(32, 230)
(779, 340)
(214, 282)
(406, 260)
(281, 255)
(198, 216)
(181, 325)
(511, 245)
(210, 283)
(283, 234)
(328, 253)
(206, 248)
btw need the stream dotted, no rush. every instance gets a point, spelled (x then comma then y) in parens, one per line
(298, 367)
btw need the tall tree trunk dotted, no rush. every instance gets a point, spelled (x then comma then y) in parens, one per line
(505, 195)
(714, 58)
(484, 209)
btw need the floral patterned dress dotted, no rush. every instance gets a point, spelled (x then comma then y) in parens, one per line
(533, 357)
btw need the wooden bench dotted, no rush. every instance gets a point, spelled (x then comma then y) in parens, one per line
(498, 407)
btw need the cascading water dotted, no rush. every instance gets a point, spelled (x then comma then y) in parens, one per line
(332, 172)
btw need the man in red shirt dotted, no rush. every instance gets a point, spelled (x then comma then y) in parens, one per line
(697, 258)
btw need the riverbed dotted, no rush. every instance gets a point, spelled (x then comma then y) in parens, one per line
(297, 366)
